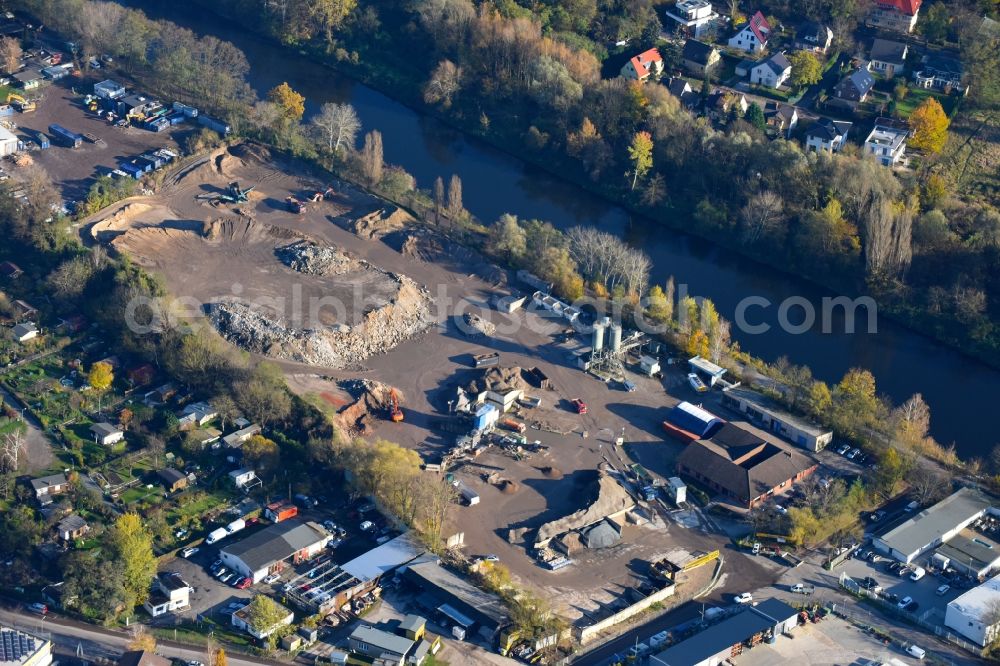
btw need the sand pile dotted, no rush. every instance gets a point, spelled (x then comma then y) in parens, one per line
(380, 222)
(308, 257)
(551, 472)
(508, 487)
(118, 222)
(371, 403)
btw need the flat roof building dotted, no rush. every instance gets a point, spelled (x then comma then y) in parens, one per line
(971, 553)
(19, 648)
(973, 614)
(268, 550)
(934, 526)
(720, 642)
(766, 414)
(461, 602)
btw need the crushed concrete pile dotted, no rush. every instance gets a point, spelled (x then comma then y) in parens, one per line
(612, 499)
(313, 259)
(371, 403)
(118, 222)
(380, 222)
(474, 325)
(339, 346)
(498, 379)
(433, 247)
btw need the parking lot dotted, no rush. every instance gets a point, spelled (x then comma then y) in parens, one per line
(930, 605)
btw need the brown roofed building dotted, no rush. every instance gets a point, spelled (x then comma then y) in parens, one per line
(745, 464)
(142, 658)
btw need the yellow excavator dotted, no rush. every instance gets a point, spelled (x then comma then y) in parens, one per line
(21, 104)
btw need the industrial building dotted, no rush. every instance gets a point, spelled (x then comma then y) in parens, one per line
(709, 371)
(973, 614)
(764, 413)
(715, 645)
(19, 648)
(745, 465)
(458, 601)
(8, 142)
(934, 526)
(969, 553)
(689, 422)
(385, 647)
(170, 593)
(272, 548)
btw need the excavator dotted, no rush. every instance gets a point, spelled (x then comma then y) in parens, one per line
(323, 196)
(395, 413)
(294, 205)
(20, 103)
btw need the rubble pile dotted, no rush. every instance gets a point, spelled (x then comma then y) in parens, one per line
(313, 259)
(433, 247)
(371, 403)
(500, 380)
(338, 346)
(474, 325)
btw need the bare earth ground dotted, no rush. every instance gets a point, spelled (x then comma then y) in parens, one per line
(169, 238)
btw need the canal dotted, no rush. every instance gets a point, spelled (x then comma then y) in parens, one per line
(959, 390)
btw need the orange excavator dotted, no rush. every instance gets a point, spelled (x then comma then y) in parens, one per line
(395, 413)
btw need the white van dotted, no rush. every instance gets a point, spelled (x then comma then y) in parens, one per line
(915, 651)
(918, 573)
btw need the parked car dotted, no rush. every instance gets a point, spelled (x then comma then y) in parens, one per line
(843, 449)
(871, 584)
(271, 578)
(744, 598)
(780, 509)
(942, 590)
(367, 526)
(904, 602)
(891, 597)
(243, 583)
(491, 558)
(188, 552)
(226, 577)
(853, 454)
(917, 652)
(918, 573)
(39, 608)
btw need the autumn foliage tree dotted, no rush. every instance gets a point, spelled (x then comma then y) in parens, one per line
(101, 376)
(640, 152)
(930, 127)
(291, 104)
(806, 69)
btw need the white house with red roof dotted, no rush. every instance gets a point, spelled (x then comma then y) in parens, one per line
(895, 15)
(641, 67)
(753, 37)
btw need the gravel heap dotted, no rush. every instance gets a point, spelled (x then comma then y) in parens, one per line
(406, 315)
(313, 259)
(475, 325)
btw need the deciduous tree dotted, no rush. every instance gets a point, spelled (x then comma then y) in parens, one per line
(640, 152)
(806, 69)
(291, 104)
(372, 158)
(131, 548)
(337, 125)
(101, 376)
(445, 82)
(930, 126)
(10, 54)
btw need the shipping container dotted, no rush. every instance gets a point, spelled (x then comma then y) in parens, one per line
(486, 360)
(41, 140)
(188, 111)
(154, 158)
(66, 137)
(279, 511)
(176, 118)
(511, 424)
(216, 125)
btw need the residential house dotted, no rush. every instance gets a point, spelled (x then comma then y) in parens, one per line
(205, 436)
(699, 58)
(745, 465)
(695, 17)
(682, 90)
(72, 527)
(813, 36)
(169, 593)
(894, 15)
(28, 79)
(938, 72)
(386, 647)
(753, 37)
(48, 486)
(782, 118)
(25, 332)
(887, 57)
(10, 270)
(107, 434)
(25, 310)
(853, 89)
(887, 142)
(721, 103)
(141, 375)
(243, 477)
(771, 73)
(160, 395)
(827, 135)
(73, 324)
(641, 67)
(196, 414)
(234, 440)
(172, 479)
(241, 620)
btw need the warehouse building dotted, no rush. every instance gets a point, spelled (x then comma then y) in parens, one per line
(764, 413)
(973, 614)
(456, 600)
(969, 553)
(8, 142)
(934, 526)
(689, 423)
(715, 645)
(272, 548)
(746, 466)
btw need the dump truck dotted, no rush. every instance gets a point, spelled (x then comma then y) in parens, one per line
(486, 360)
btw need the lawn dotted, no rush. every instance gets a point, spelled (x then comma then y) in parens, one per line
(186, 509)
(916, 96)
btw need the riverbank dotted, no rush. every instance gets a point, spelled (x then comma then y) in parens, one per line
(402, 86)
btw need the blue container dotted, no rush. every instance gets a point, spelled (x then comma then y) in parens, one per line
(42, 140)
(66, 137)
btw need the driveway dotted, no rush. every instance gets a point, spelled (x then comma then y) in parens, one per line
(38, 447)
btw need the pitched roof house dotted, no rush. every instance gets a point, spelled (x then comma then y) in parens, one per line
(744, 464)
(888, 57)
(71, 527)
(25, 332)
(682, 90)
(172, 479)
(813, 36)
(854, 88)
(721, 102)
(699, 57)
(783, 118)
(753, 37)
(641, 67)
(107, 434)
(772, 72)
(894, 15)
(940, 72)
(47, 486)
(827, 135)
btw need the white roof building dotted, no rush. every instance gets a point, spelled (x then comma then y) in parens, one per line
(8, 142)
(19, 648)
(974, 613)
(887, 144)
(934, 526)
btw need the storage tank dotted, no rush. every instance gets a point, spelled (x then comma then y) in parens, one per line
(598, 336)
(616, 337)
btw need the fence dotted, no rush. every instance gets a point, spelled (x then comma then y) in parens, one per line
(589, 633)
(893, 609)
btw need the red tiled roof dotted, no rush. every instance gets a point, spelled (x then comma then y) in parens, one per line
(908, 7)
(642, 61)
(761, 28)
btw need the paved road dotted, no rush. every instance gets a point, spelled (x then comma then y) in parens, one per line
(37, 444)
(68, 636)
